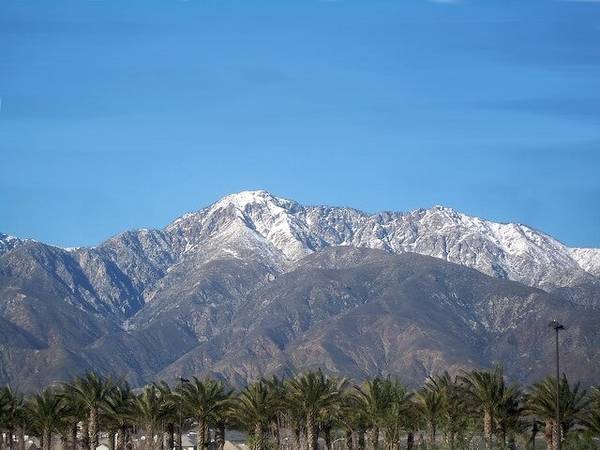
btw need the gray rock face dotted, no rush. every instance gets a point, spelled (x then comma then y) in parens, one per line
(7, 243)
(256, 284)
(588, 259)
(364, 312)
(513, 251)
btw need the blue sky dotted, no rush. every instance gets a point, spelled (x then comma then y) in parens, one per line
(118, 115)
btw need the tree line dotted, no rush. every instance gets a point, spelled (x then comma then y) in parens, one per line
(306, 412)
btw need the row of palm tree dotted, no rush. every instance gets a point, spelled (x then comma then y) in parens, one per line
(304, 412)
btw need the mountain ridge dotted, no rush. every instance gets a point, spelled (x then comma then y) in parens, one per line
(191, 296)
(587, 258)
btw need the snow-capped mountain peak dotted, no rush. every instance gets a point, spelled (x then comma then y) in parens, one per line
(506, 250)
(240, 272)
(243, 200)
(278, 232)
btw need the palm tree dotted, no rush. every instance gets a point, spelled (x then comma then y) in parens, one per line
(592, 418)
(119, 411)
(508, 416)
(12, 416)
(374, 399)
(204, 400)
(256, 409)
(541, 401)
(353, 420)
(453, 418)
(93, 391)
(309, 394)
(170, 401)
(592, 422)
(430, 403)
(3, 420)
(295, 419)
(5, 424)
(412, 422)
(395, 416)
(328, 419)
(150, 411)
(76, 410)
(46, 412)
(485, 389)
(277, 387)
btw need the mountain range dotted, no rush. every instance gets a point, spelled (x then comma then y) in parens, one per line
(257, 285)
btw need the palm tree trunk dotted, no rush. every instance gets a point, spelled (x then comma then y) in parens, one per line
(258, 435)
(362, 444)
(548, 432)
(22, 445)
(431, 432)
(93, 428)
(72, 437)
(391, 439)
(201, 435)
(360, 440)
(534, 433)
(121, 439)
(170, 436)
(410, 440)
(150, 438)
(46, 440)
(512, 444)
(276, 433)
(220, 435)
(127, 439)
(348, 439)
(372, 438)
(65, 441)
(85, 436)
(311, 435)
(10, 438)
(556, 435)
(488, 420)
(355, 440)
(297, 438)
(421, 440)
(327, 437)
(111, 440)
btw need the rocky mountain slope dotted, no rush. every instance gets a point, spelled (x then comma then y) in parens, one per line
(361, 312)
(7, 243)
(256, 284)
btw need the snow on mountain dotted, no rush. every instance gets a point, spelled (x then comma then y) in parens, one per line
(512, 251)
(7, 243)
(255, 279)
(588, 259)
(270, 219)
(275, 233)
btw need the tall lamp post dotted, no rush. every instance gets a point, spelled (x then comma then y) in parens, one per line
(557, 326)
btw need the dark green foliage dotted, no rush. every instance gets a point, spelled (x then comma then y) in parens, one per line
(445, 413)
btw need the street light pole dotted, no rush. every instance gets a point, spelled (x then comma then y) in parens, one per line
(557, 327)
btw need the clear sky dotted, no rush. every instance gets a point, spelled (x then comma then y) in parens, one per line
(117, 115)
